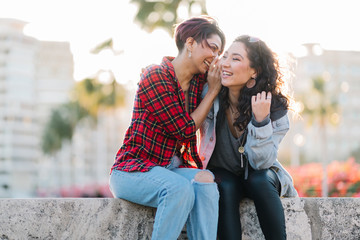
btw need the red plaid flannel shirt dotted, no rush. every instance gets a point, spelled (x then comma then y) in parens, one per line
(160, 122)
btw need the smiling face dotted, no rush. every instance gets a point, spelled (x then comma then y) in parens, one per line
(203, 54)
(236, 70)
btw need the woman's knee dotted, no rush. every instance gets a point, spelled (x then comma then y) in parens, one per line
(258, 177)
(204, 176)
(263, 181)
(228, 183)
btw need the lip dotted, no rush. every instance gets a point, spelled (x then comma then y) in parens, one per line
(226, 74)
(207, 63)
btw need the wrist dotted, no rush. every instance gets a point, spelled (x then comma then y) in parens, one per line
(212, 92)
(259, 122)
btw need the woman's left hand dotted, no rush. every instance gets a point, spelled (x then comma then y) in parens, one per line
(260, 104)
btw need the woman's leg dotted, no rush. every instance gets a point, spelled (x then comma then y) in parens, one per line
(230, 194)
(203, 218)
(264, 187)
(170, 193)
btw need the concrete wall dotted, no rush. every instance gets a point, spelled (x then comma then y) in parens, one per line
(306, 219)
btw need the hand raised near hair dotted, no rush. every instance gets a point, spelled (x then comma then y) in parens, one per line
(214, 76)
(260, 105)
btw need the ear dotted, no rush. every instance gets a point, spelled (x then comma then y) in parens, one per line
(253, 74)
(189, 44)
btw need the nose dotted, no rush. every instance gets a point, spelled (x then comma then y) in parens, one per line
(224, 62)
(215, 53)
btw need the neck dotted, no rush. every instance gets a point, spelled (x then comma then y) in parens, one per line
(183, 71)
(234, 95)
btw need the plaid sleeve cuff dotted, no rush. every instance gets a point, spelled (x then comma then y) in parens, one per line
(190, 130)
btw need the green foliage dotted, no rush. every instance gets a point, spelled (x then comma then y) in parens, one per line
(61, 126)
(108, 44)
(356, 154)
(311, 192)
(89, 97)
(319, 105)
(354, 188)
(319, 85)
(93, 95)
(163, 14)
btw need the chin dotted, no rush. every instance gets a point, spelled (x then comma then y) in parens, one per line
(205, 70)
(224, 83)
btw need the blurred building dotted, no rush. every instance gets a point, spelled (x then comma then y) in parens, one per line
(35, 76)
(82, 167)
(341, 72)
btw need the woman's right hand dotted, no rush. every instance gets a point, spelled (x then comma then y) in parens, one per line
(260, 105)
(214, 76)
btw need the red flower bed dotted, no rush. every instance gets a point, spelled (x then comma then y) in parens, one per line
(343, 179)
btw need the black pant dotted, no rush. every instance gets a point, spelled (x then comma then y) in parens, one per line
(263, 187)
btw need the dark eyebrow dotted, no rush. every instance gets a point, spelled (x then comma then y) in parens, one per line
(217, 47)
(238, 54)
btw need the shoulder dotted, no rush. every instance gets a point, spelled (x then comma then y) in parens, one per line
(155, 76)
(160, 72)
(153, 70)
(279, 108)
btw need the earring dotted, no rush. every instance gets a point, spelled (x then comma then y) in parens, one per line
(251, 83)
(189, 54)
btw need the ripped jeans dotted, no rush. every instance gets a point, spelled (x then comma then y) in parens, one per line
(178, 199)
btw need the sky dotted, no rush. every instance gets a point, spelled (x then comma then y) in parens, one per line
(283, 24)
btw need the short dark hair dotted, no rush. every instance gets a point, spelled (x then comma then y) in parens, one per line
(199, 28)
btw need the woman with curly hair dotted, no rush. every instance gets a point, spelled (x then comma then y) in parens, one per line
(241, 135)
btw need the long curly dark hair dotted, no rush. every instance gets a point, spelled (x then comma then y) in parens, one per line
(269, 79)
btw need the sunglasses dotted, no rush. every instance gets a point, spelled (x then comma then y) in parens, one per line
(251, 39)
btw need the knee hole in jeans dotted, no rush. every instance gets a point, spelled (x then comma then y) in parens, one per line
(204, 176)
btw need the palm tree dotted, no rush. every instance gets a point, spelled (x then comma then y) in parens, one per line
(89, 97)
(61, 126)
(319, 106)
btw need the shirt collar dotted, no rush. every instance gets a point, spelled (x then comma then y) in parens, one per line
(167, 64)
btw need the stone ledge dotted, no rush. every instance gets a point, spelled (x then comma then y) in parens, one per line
(108, 218)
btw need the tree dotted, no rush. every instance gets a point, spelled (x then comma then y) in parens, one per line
(164, 14)
(89, 97)
(319, 106)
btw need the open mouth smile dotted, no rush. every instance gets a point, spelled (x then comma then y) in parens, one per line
(226, 73)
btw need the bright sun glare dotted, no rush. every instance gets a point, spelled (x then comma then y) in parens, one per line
(283, 25)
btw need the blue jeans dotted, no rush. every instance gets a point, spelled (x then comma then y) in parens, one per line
(178, 199)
